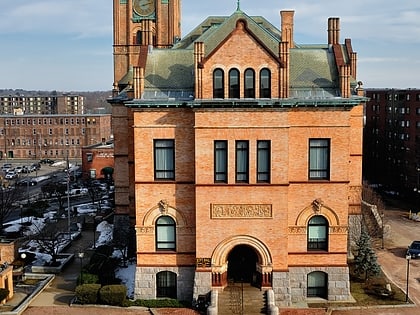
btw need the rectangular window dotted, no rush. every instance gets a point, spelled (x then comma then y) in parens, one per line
(164, 159)
(242, 161)
(319, 159)
(263, 161)
(89, 157)
(220, 161)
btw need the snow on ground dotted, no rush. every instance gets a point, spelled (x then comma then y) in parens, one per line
(104, 229)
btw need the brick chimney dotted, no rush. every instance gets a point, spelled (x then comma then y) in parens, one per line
(333, 31)
(287, 27)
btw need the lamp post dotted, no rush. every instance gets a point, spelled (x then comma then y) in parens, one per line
(21, 221)
(81, 255)
(407, 257)
(68, 193)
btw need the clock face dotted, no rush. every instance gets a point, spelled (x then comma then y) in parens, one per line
(144, 7)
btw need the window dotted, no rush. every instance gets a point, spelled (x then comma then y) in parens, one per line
(318, 234)
(249, 88)
(164, 159)
(218, 84)
(220, 161)
(319, 159)
(265, 83)
(318, 285)
(89, 157)
(263, 161)
(166, 284)
(242, 161)
(165, 233)
(234, 83)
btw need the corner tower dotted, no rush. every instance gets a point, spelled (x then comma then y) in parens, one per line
(143, 23)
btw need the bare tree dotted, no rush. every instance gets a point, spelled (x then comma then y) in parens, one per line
(9, 197)
(57, 191)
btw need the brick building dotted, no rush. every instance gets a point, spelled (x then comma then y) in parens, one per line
(51, 136)
(41, 103)
(238, 154)
(98, 160)
(392, 141)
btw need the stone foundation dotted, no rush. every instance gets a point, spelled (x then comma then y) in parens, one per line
(145, 282)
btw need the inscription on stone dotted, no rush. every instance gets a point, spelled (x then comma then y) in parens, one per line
(244, 211)
(203, 262)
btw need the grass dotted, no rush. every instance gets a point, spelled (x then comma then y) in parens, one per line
(368, 293)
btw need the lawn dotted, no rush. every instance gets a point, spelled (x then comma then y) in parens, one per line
(369, 293)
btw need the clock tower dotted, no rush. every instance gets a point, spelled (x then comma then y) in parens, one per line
(143, 23)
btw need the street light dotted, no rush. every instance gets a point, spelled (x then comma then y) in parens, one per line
(407, 257)
(68, 194)
(81, 255)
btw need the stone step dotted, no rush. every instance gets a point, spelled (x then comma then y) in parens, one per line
(230, 300)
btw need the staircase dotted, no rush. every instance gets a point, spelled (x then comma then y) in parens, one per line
(230, 300)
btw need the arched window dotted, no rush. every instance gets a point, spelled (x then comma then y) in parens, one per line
(234, 81)
(165, 233)
(265, 83)
(218, 84)
(138, 38)
(318, 233)
(249, 87)
(317, 285)
(166, 285)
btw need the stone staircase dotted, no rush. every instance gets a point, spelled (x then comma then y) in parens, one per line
(230, 300)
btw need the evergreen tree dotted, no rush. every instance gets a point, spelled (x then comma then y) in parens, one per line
(365, 260)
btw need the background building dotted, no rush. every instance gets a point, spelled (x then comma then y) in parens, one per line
(41, 103)
(98, 160)
(51, 136)
(238, 154)
(392, 141)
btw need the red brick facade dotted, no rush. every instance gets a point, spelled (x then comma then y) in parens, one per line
(216, 223)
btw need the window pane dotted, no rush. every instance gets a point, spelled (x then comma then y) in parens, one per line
(249, 84)
(220, 161)
(319, 158)
(265, 83)
(165, 233)
(242, 161)
(263, 161)
(218, 84)
(234, 83)
(164, 159)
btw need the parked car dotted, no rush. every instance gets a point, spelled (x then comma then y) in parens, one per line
(414, 249)
(47, 161)
(26, 182)
(18, 169)
(11, 175)
(6, 166)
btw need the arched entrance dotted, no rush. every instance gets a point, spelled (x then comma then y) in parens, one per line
(241, 258)
(242, 261)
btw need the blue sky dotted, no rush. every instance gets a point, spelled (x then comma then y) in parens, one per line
(66, 45)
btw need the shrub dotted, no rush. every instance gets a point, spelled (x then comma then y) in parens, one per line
(87, 293)
(114, 294)
(158, 303)
(88, 278)
(3, 294)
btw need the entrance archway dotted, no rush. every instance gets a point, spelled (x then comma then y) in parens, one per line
(242, 261)
(228, 256)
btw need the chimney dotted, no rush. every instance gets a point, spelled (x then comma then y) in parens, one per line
(333, 31)
(287, 27)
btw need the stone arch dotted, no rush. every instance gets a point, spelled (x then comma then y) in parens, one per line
(163, 208)
(317, 207)
(222, 250)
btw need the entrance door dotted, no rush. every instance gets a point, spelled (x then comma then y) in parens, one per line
(242, 262)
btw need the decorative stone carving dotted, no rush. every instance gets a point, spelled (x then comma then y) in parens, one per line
(297, 230)
(243, 211)
(339, 229)
(317, 205)
(163, 206)
(145, 229)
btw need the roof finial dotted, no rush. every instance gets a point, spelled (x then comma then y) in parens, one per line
(238, 5)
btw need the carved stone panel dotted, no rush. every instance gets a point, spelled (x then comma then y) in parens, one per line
(241, 211)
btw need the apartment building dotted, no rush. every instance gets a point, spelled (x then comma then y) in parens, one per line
(51, 136)
(238, 154)
(41, 103)
(392, 141)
